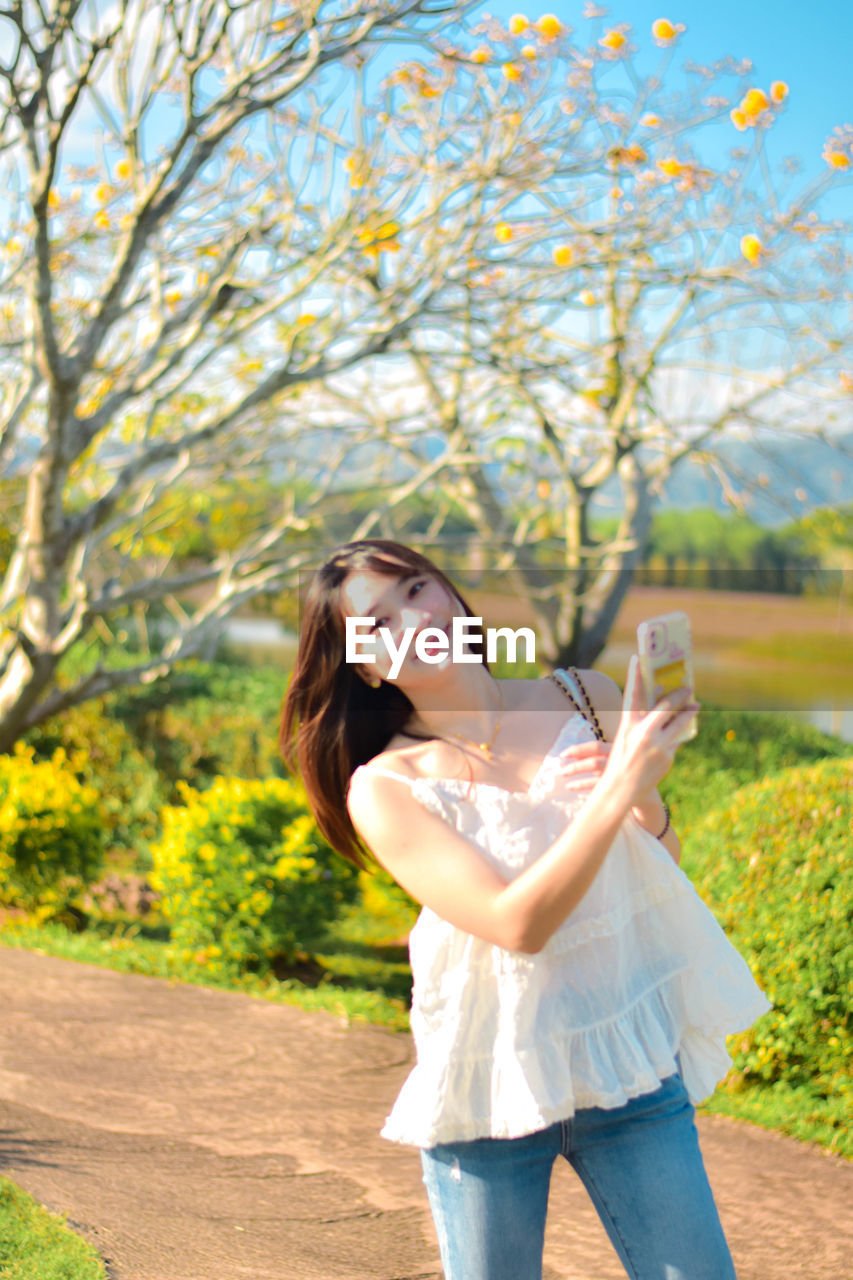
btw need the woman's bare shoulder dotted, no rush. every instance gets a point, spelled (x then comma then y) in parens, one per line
(396, 758)
(604, 693)
(403, 758)
(605, 696)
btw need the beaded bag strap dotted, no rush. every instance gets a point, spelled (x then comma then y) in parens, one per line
(573, 687)
(569, 680)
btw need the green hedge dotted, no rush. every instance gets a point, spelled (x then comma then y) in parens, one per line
(775, 867)
(206, 720)
(107, 757)
(247, 880)
(734, 748)
(51, 833)
(135, 746)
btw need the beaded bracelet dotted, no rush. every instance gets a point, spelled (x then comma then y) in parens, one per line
(666, 824)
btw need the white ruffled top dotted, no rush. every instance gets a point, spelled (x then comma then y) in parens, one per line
(639, 973)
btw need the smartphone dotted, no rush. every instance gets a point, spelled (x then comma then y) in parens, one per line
(666, 660)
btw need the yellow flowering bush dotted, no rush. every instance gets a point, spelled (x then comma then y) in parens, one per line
(777, 871)
(51, 832)
(106, 757)
(247, 880)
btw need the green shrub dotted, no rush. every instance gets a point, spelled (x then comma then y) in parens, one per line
(246, 878)
(135, 745)
(385, 902)
(51, 832)
(206, 720)
(734, 748)
(107, 758)
(776, 870)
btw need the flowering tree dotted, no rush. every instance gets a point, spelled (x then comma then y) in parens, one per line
(172, 205)
(517, 277)
(630, 282)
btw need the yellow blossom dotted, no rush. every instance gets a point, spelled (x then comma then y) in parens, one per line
(356, 169)
(663, 30)
(511, 71)
(754, 102)
(846, 383)
(730, 735)
(739, 119)
(13, 246)
(587, 297)
(103, 191)
(650, 120)
(517, 24)
(123, 170)
(102, 220)
(530, 51)
(543, 490)
(671, 166)
(626, 155)
(562, 255)
(549, 26)
(481, 54)
(387, 231)
(503, 232)
(612, 40)
(778, 91)
(751, 248)
(836, 159)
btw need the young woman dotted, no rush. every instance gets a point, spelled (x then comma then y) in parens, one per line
(571, 992)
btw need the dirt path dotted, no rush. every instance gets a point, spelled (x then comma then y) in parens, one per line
(202, 1135)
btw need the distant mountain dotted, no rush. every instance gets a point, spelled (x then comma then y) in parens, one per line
(782, 481)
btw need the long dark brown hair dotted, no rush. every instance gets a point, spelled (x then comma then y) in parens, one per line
(332, 720)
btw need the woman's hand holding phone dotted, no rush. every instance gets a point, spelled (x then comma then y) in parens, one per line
(583, 765)
(643, 750)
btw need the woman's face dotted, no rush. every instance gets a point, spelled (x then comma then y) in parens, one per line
(397, 604)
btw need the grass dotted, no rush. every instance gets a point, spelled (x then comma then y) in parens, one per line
(362, 975)
(800, 1112)
(752, 649)
(37, 1245)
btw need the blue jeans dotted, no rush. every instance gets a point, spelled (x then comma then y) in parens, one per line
(641, 1165)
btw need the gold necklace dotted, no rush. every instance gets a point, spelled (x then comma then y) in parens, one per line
(486, 747)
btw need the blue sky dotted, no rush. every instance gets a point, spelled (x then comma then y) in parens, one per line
(806, 43)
